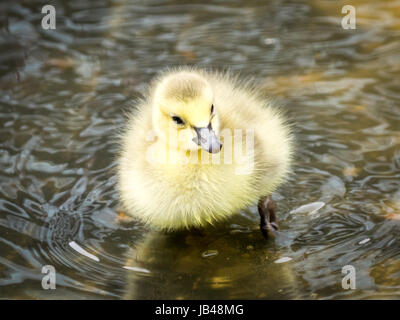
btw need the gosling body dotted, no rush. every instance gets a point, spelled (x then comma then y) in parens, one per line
(208, 173)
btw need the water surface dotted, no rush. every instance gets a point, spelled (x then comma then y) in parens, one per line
(62, 97)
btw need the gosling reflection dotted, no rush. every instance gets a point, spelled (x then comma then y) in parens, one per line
(208, 264)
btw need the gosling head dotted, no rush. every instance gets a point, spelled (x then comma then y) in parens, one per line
(184, 114)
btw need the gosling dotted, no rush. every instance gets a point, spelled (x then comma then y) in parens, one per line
(198, 148)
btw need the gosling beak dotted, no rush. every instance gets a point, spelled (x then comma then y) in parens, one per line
(207, 139)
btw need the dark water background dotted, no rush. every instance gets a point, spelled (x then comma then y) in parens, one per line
(62, 96)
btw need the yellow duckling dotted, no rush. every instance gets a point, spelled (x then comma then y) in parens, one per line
(201, 146)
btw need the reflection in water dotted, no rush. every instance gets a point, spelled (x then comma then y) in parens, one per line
(63, 94)
(212, 264)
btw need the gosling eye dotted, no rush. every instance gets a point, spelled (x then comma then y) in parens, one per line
(212, 109)
(177, 120)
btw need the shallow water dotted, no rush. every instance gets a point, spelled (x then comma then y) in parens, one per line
(62, 97)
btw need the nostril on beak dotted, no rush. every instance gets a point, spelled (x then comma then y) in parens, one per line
(215, 149)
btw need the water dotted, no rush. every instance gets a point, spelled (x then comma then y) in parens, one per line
(62, 97)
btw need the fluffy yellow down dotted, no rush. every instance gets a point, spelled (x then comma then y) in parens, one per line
(165, 185)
